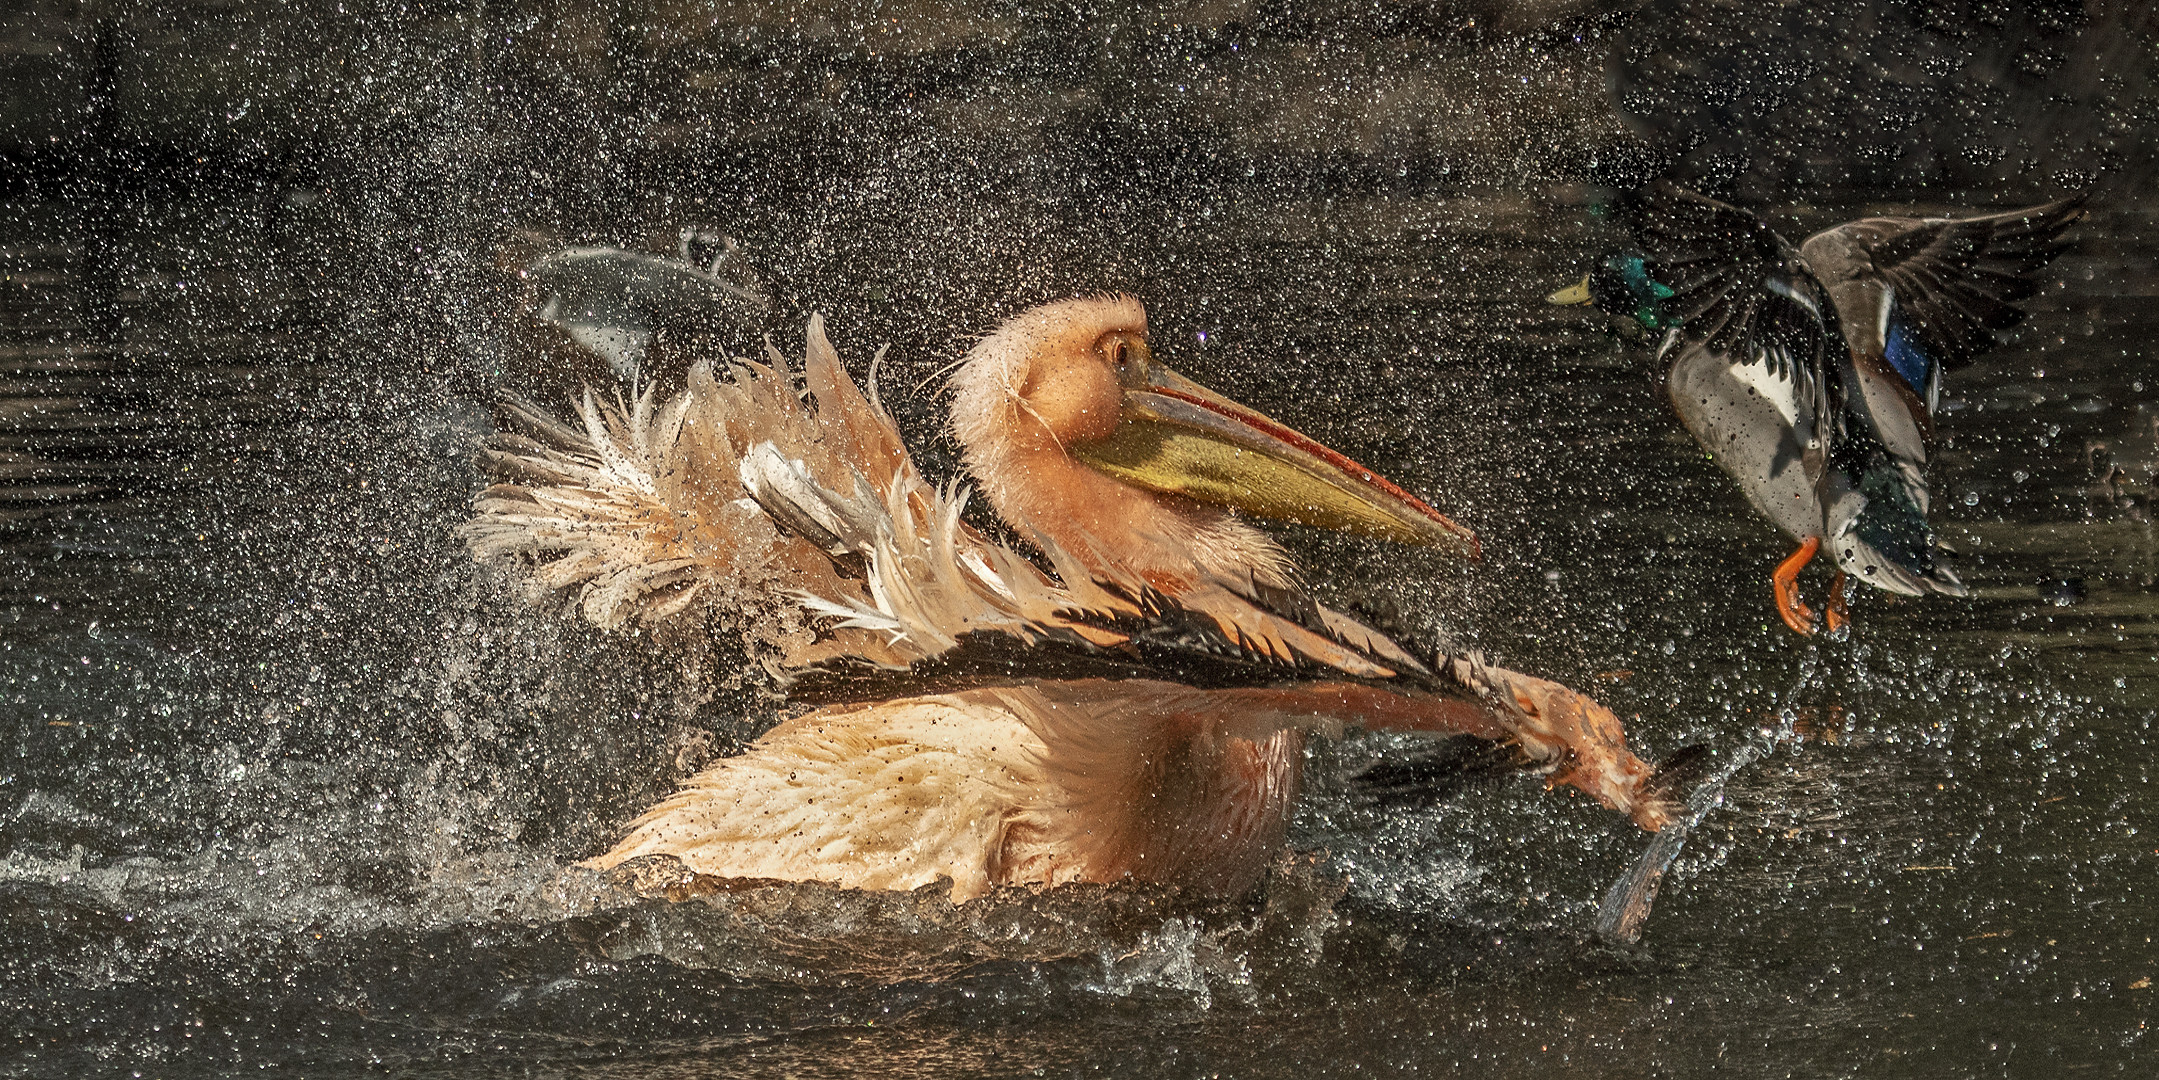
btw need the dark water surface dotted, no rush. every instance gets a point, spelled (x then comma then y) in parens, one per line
(290, 786)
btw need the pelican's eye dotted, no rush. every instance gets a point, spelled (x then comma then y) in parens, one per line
(1127, 356)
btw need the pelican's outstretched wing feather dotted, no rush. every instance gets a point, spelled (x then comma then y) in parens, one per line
(800, 519)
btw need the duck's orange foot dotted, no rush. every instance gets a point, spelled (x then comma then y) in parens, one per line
(1837, 614)
(1784, 583)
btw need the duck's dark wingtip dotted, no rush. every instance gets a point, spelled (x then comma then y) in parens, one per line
(2058, 215)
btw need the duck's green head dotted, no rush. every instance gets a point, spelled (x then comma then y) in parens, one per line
(1620, 285)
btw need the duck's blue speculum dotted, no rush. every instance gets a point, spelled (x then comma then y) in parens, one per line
(1904, 354)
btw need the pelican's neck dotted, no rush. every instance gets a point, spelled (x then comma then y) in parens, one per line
(1120, 533)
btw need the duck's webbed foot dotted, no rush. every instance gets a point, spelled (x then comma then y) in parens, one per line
(1837, 615)
(1784, 583)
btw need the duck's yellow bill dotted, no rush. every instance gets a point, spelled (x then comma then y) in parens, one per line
(1577, 293)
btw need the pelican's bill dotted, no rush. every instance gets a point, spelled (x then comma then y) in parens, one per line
(1179, 437)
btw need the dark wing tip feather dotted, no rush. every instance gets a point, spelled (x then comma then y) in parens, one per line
(517, 413)
(1436, 772)
(1959, 279)
(1680, 773)
(1717, 259)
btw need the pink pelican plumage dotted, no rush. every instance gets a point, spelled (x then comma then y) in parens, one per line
(1069, 739)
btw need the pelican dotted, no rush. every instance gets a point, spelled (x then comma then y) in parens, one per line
(1070, 739)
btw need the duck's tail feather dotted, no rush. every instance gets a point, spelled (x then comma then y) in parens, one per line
(1878, 533)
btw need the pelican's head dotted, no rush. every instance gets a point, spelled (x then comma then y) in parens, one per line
(1075, 381)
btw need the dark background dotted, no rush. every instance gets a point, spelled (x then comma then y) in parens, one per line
(404, 147)
(289, 782)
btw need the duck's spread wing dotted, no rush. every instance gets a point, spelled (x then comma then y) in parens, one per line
(1952, 281)
(1917, 296)
(1773, 354)
(1728, 271)
(1746, 314)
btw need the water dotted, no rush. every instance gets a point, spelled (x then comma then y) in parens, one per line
(291, 784)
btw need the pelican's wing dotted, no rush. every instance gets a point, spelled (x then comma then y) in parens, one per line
(796, 517)
(1271, 627)
(1055, 782)
(890, 796)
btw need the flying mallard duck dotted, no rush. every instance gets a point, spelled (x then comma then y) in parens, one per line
(1811, 374)
(1129, 702)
